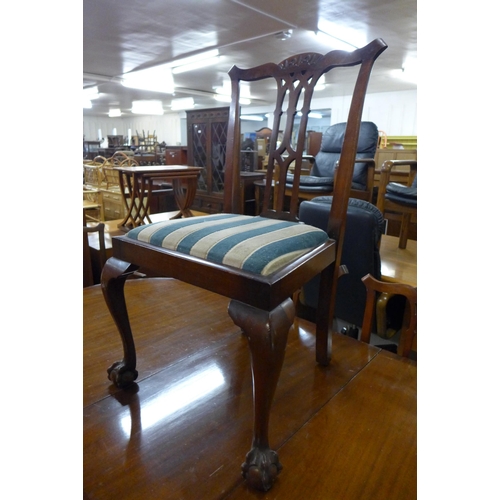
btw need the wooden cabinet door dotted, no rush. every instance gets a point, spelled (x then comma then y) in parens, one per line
(207, 138)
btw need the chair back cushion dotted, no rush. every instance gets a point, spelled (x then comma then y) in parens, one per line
(255, 244)
(329, 154)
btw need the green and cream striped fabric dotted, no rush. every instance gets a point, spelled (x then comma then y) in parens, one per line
(255, 244)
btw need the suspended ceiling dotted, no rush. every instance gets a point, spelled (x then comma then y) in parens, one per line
(123, 36)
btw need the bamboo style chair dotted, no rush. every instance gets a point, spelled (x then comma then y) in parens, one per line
(92, 185)
(258, 262)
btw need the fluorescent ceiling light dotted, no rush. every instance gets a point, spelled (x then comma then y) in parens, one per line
(195, 65)
(223, 94)
(410, 70)
(222, 98)
(147, 107)
(195, 58)
(227, 98)
(226, 89)
(184, 103)
(160, 79)
(194, 62)
(254, 118)
(339, 36)
(157, 79)
(114, 112)
(91, 93)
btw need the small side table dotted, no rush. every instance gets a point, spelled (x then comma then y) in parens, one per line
(136, 185)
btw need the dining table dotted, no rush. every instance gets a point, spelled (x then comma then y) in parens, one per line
(346, 431)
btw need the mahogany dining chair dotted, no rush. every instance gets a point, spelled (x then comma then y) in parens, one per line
(258, 262)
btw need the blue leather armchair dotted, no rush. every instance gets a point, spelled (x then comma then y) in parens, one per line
(321, 179)
(360, 254)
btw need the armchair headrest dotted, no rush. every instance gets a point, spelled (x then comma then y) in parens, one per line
(333, 138)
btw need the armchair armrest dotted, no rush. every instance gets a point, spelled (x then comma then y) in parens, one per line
(388, 164)
(360, 160)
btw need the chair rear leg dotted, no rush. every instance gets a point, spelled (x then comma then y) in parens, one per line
(324, 317)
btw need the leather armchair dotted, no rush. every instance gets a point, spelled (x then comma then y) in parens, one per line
(360, 254)
(321, 179)
(399, 197)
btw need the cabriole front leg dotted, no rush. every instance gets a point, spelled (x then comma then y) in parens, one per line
(114, 275)
(267, 334)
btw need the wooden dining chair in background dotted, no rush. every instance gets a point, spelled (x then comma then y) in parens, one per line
(408, 339)
(92, 267)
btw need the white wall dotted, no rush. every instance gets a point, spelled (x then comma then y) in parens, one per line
(167, 127)
(394, 112)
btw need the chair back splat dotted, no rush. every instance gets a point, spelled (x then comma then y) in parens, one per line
(296, 78)
(258, 262)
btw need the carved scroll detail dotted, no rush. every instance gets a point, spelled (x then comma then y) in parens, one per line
(299, 60)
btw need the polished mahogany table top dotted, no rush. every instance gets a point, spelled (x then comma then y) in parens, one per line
(345, 431)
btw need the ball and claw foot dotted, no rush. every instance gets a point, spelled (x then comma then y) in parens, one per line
(261, 468)
(121, 375)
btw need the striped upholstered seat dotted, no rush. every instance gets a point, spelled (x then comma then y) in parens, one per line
(255, 244)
